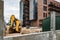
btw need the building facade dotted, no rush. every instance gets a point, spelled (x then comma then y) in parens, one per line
(37, 10)
(24, 12)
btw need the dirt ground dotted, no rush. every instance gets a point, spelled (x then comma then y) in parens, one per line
(27, 31)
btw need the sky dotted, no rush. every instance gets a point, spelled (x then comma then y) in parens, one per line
(58, 0)
(12, 7)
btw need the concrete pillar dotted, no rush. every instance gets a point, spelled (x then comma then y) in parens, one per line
(1, 20)
(53, 20)
(53, 36)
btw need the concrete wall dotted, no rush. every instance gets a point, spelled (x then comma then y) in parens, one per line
(35, 36)
(1, 20)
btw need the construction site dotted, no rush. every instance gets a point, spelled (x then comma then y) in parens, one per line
(38, 20)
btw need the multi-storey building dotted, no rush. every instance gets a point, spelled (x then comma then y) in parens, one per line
(34, 11)
(24, 12)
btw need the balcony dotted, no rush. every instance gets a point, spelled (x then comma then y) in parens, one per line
(26, 7)
(53, 7)
(26, 1)
(27, 15)
(27, 19)
(26, 11)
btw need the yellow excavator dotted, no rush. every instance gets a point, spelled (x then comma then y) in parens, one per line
(15, 25)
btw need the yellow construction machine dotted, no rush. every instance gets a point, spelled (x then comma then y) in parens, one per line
(15, 25)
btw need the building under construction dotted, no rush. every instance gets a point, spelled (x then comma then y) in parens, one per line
(34, 11)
